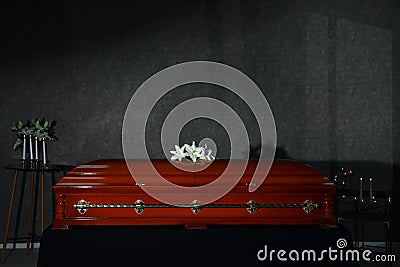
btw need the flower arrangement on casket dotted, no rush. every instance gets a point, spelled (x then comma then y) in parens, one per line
(192, 152)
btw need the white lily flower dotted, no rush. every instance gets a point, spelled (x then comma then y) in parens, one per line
(209, 157)
(179, 153)
(192, 151)
(203, 155)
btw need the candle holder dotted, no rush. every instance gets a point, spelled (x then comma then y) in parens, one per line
(25, 163)
(354, 192)
(36, 163)
(361, 203)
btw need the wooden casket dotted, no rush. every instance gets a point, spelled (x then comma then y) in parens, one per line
(103, 192)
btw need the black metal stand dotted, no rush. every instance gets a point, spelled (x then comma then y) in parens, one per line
(37, 172)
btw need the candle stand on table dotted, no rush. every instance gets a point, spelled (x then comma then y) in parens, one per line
(356, 201)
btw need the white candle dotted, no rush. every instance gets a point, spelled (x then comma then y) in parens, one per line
(361, 189)
(36, 148)
(44, 151)
(370, 188)
(30, 147)
(24, 149)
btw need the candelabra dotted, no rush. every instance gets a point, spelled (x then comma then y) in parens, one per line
(31, 151)
(357, 200)
(359, 190)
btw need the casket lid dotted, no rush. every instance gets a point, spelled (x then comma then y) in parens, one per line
(115, 172)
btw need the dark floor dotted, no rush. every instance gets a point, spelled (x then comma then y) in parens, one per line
(19, 258)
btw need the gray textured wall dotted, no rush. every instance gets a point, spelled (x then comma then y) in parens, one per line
(329, 69)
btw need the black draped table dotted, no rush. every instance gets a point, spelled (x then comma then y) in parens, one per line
(177, 246)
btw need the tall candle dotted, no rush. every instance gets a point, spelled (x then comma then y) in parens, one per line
(30, 147)
(44, 151)
(24, 149)
(36, 148)
(361, 189)
(370, 188)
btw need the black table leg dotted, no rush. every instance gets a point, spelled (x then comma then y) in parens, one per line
(3, 254)
(28, 241)
(21, 198)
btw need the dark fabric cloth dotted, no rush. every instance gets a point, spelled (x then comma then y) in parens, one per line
(177, 246)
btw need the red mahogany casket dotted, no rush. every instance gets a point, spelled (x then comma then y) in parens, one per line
(103, 192)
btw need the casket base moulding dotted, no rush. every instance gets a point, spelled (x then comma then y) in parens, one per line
(103, 192)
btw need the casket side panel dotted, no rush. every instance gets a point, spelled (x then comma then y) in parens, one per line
(110, 183)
